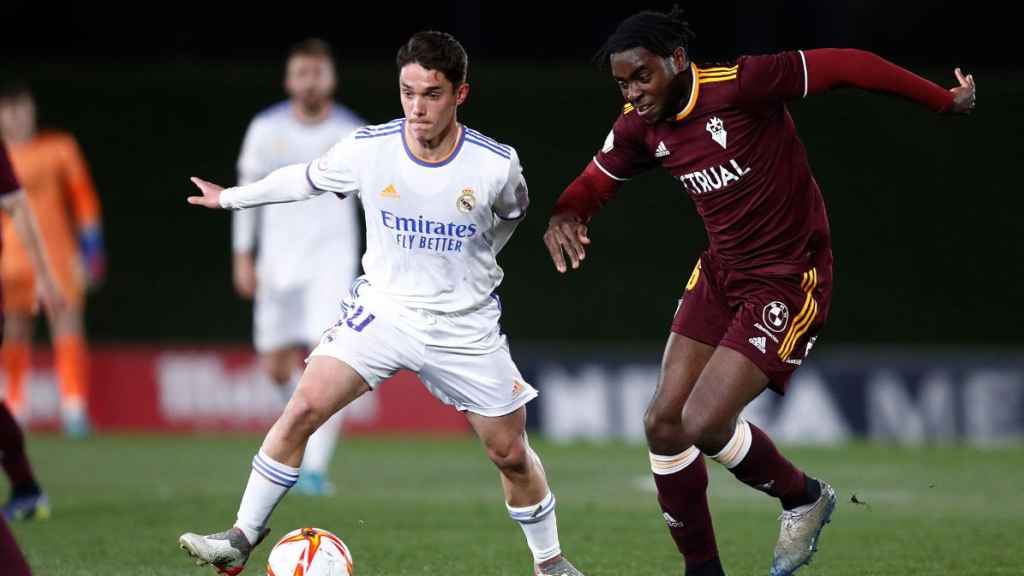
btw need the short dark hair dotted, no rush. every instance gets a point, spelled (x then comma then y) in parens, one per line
(14, 90)
(659, 32)
(311, 47)
(436, 51)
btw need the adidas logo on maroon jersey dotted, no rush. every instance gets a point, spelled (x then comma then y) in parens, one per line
(759, 342)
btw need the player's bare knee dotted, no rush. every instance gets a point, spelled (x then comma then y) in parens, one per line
(706, 433)
(511, 457)
(694, 428)
(304, 414)
(663, 429)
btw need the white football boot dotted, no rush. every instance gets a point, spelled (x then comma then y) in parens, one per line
(798, 535)
(226, 551)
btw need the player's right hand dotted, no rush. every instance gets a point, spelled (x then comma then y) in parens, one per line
(245, 275)
(211, 194)
(566, 235)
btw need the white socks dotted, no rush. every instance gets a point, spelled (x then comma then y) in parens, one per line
(540, 528)
(269, 481)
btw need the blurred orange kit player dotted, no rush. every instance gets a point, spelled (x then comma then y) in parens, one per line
(60, 191)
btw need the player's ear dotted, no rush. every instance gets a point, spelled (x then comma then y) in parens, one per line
(461, 93)
(679, 59)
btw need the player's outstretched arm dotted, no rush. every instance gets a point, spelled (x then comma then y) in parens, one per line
(834, 67)
(288, 184)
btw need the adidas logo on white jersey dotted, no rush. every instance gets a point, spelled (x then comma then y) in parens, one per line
(662, 150)
(389, 192)
(759, 343)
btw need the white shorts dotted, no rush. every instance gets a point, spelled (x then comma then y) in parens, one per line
(296, 316)
(377, 338)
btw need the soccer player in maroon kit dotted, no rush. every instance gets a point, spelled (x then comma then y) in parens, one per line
(761, 291)
(15, 463)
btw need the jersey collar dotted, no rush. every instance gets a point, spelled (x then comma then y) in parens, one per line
(694, 92)
(451, 155)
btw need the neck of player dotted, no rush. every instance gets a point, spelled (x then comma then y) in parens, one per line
(436, 148)
(311, 114)
(682, 87)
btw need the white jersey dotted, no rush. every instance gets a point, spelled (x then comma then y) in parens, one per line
(295, 241)
(433, 230)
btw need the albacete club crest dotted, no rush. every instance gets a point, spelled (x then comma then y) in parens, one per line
(717, 129)
(466, 201)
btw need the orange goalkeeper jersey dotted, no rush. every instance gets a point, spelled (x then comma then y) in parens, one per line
(59, 188)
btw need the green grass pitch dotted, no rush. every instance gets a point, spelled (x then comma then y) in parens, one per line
(434, 507)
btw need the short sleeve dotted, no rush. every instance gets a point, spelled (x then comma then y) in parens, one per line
(514, 196)
(772, 78)
(336, 170)
(623, 154)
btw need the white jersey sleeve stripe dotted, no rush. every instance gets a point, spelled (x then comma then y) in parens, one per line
(803, 60)
(475, 140)
(609, 174)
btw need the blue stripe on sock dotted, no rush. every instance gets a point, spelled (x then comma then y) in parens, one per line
(270, 479)
(534, 515)
(271, 473)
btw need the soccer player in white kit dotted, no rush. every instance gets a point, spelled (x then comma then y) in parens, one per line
(440, 201)
(305, 250)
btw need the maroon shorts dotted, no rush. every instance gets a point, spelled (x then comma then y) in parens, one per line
(772, 318)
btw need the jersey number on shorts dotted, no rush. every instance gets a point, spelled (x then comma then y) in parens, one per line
(359, 319)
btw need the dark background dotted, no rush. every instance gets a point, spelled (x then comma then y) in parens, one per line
(925, 209)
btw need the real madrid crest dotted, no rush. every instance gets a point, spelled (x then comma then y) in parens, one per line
(466, 201)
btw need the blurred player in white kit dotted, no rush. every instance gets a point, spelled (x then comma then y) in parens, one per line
(440, 201)
(291, 258)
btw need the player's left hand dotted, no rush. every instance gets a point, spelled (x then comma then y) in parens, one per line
(90, 245)
(211, 194)
(964, 95)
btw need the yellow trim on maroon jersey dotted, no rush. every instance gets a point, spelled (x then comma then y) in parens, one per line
(806, 316)
(694, 92)
(717, 79)
(718, 71)
(694, 277)
(627, 109)
(710, 80)
(732, 68)
(718, 74)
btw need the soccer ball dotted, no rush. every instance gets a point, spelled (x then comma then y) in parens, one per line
(309, 552)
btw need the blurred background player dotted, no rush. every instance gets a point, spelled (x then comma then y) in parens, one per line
(306, 250)
(27, 499)
(59, 188)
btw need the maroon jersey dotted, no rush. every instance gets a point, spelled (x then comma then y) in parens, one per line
(8, 182)
(734, 149)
